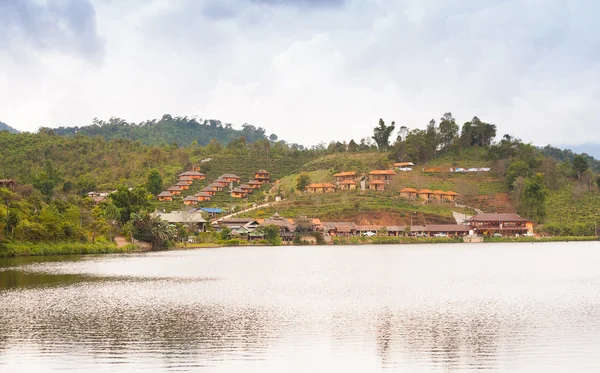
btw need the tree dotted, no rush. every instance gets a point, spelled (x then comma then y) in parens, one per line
(154, 184)
(534, 197)
(352, 146)
(448, 130)
(130, 201)
(47, 180)
(273, 137)
(302, 182)
(225, 233)
(382, 133)
(148, 228)
(112, 214)
(516, 169)
(580, 164)
(271, 234)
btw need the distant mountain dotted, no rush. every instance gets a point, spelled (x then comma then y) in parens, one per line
(6, 127)
(167, 130)
(590, 149)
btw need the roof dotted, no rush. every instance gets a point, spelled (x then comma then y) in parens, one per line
(165, 194)
(220, 180)
(447, 228)
(174, 188)
(211, 210)
(345, 174)
(254, 182)
(321, 185)
(441, 192)
(236, 221)
(238, 190)
(262, 172)
(201, 194)
(348, 182)
(408, 190)
(191, 173)
(216, 185)
(181, 217)
(382, 172)
(210, 188)
(181, 178)
(182, 183)
(498, 217)
(451, 193)
(403, 164)
(245, 186)
(190, 198)
(377, 182)
(422, 191)
(231, 176)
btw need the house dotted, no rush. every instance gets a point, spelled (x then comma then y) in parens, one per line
(437, 195)
(217, 186)
(190, 200)
(239, 193)
(186, 179)
(409, 193)
(211, 211)
(262, 176)
(378, 185)
(424, 194)
(174, 190)
(383, 175)
(255, 184)
(201, 196)
(451, 230)
(249, 189)
(320, 188)
(7, 183)
(286, 227)
(194, 174)
(507, 224)
(343, 176)
(230, 178)
(209, 190)
(348, 185)
(343, 229)
(221, 182)
(165, 196)
(183, 185)
(451, 196)
(191, 218)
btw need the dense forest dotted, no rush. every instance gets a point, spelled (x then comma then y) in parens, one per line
(168, 130)
(55, 169)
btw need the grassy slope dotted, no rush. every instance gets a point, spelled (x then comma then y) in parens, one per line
(572, 209)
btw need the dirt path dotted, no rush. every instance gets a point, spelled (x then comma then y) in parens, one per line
(121, 241)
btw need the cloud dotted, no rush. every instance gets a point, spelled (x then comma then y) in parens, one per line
(310, 71)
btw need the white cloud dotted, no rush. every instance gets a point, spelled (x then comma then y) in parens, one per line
(311, 72)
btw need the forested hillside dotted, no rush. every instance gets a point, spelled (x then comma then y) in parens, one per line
(6, 127)
(168, 130)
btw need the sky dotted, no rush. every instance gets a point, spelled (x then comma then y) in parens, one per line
(307, 70)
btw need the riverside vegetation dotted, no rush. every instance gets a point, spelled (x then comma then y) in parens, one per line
(48, 212)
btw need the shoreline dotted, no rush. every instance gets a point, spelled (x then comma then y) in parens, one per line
(24, 249)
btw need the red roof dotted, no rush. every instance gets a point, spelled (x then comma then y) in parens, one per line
(339, 174)
(382, 172)
(408, 190)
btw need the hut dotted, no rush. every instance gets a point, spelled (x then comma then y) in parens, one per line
(320, 188)
(183, 185)
(186, 179)
(262, 176)
(424, 194)
(195, 175)
(255, 184)
(437, 195)
(383, 175)
(165, 196)
(409, 193)
(221, 181)
(202, 196)
(451, 196)
(249, 189)
(378, 185)
(209, 190)
(174, 190)
(343, 176)
(190, 200)
(239, 193)
(217, 186)
(348, 185)
(230, 178)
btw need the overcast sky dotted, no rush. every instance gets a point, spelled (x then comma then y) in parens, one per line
(308, 70)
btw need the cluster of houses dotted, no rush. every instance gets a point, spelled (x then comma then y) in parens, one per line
(428, 195)
(220, 184)
(478, 225)
(376, 180)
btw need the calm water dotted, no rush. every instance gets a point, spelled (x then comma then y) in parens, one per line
(438, 308)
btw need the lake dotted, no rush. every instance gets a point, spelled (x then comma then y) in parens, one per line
(404, 308)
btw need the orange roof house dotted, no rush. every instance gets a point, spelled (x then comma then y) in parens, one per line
(424, 194)
(217, 186)
(409, 193)
(438, 194)
(343, 176)
(193, 174)
(183, 185)
(378, 185)
(174, 190)
(202, 196)
(189, 200)
(383, 175)
(320, 188)
(247, 188)
(187, 179)
(451, 196)
(165, 196)
(221, 181)
(255, 184)
(348, 185)
(231, 178)
(262, 176)
(239, 193)
(209, 190)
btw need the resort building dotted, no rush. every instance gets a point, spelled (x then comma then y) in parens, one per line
(382, 175)
(424, 194)
(262, 176)
(239, 193)
(505, 224)
(165, 196)
(378, 185)
(203, 197)
(451, 196)
(437, 195)
(348, 185)
(343, 176)
(217, 186)
(255, 184)
(230, 178)
(249, 189)
(209, 190)
(403, 164)
(286, 226)
(187, 179)
(190, 200)
(408, 193)
(221, 182)
(193, 174)
(183, 185)
(190, 218)
(320, 188)
(174, 190)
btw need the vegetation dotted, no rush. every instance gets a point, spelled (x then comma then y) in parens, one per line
(6, 127)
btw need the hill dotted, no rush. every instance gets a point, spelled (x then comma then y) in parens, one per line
(167, 130)
(6, 127)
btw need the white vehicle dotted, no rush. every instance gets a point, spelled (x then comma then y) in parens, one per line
(441, 235)
(369, 234)
(529, 234)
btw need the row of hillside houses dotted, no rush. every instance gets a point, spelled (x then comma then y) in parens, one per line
(480, 224)
(345, 181)
(260, 177)
(428, 195)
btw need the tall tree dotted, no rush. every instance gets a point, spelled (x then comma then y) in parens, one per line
(154, 184)
(448, 130)
(302, 182)
(382, 133)
(580, 164)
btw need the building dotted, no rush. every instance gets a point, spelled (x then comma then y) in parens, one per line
(286, 226)
(7, 183)
(209, 190)
(505, 224)
(195, 175)
(255, 184)
(211, 211)
(451, 196)
(187, 179)
(191, 218)
(183, 185)
(320, 188)
(383, 175)
(450, 230)
(424, 194)
(343, 176)
(217, 186)
(236, 223)
(262, 176)
(190, 200)
(239, 193)
(174, 190)
(230, 178)
(378, 185)
(348, 185)
(202, 197)
(221, 182)
(437, 195)
(165, 196)
(340, 229)
(408, 193)
(249, 189)
(403, 164)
